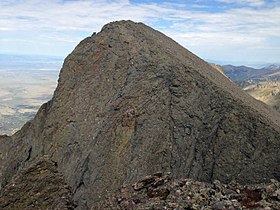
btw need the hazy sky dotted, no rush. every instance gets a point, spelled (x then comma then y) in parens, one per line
(244, 31)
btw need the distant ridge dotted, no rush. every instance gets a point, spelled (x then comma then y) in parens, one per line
(245, 73)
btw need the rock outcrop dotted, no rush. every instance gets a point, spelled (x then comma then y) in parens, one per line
(39, 186)
(130, 102)
(160, 192)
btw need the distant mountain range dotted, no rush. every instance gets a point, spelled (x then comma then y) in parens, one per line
(237, 73)
(263, 84)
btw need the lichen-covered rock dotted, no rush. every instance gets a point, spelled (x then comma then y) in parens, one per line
(130, 101)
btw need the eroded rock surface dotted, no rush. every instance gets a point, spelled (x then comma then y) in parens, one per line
(38, 186)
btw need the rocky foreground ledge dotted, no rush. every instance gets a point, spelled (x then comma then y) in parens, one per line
(41, 186)
(38, 186)
(159, 192)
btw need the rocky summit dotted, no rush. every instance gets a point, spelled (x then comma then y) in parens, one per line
(131, 102)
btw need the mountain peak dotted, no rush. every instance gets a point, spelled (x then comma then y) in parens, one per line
(131, 102)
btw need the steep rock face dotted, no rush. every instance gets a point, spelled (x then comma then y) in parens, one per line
(131, 102)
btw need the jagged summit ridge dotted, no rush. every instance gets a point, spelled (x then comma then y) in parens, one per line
(130, 102)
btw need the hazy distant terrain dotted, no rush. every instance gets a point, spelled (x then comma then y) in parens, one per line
(26, 82)
(267, 92)
(263, 84)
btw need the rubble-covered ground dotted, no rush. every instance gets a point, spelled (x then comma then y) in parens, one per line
(159, 192)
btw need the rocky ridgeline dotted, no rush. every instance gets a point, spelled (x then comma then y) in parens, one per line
(38, 186)
(159, 192)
